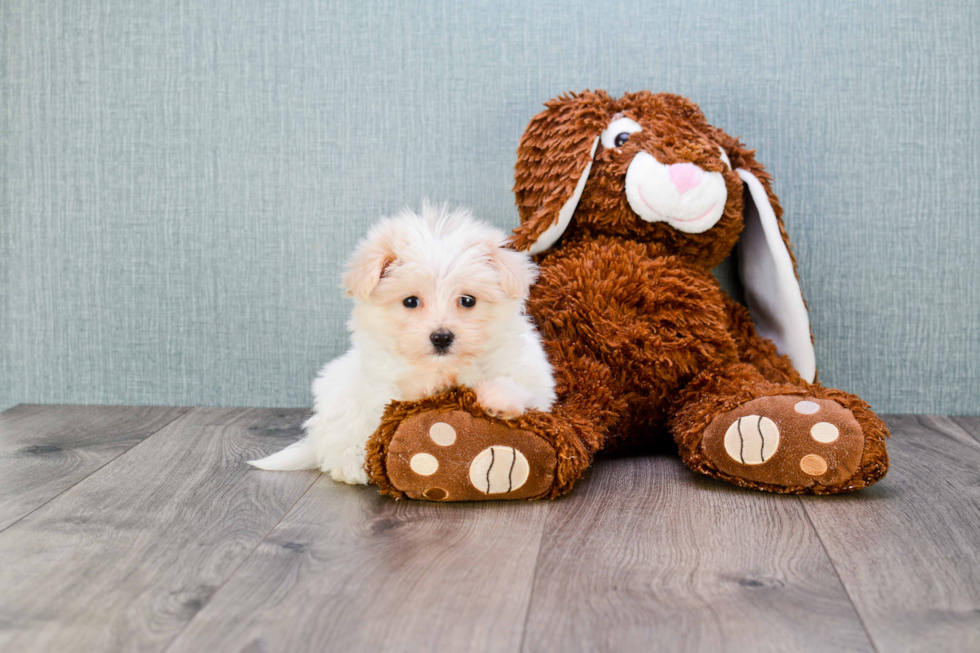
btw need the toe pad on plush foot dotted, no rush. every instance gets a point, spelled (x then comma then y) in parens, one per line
(786, 440)
(453, 456)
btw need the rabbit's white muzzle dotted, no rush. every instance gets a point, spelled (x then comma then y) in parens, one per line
(683, 195)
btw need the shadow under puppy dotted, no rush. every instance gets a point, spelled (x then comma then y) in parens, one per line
(438, 303)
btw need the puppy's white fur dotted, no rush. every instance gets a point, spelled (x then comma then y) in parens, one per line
(437, 257)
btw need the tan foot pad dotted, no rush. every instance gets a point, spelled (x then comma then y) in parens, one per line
(786, 440)
(456, 457)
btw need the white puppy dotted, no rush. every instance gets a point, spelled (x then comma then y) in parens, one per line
(438, 302)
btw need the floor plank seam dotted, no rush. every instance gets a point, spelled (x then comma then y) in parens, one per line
(971, 436)
(840, 580)
(94, 471)
(240, 565)
(534, 578)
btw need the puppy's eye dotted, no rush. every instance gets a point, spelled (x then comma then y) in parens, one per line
(411, 302)
(467, 301)
(618, 132)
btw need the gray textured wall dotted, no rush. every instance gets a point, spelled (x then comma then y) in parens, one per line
(182, 180)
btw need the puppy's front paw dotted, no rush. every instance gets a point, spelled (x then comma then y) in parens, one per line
(501, 398)
(346, 469)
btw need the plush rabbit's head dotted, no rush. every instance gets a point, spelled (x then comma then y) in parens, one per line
(649, 167)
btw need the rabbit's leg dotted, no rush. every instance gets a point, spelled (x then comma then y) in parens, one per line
(733, 424)
(451, 455)
(448, 448)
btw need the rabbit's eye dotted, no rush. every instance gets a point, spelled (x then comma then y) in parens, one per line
(618, 132)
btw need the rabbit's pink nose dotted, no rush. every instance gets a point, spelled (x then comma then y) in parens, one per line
(685, 176)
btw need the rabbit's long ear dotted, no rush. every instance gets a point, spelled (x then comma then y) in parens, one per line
(553, 163)
(768, 269)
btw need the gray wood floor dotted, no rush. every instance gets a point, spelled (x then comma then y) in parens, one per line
(134, 528)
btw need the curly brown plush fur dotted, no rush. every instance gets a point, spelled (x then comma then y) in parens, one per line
(572, 456)
(642, 338)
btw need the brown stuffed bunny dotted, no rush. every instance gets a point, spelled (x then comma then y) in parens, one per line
(629, 203)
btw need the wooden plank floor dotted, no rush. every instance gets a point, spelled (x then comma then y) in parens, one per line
(143, 529)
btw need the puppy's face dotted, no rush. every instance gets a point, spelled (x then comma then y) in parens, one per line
(437, 289)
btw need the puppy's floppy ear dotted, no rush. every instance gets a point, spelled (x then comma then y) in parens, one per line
(553, 163)
(370, 260)
(516, 271)
(767, 267)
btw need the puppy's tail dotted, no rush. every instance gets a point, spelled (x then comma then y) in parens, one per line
(299, 455)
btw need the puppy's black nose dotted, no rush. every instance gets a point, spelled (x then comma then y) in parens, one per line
(441, 339)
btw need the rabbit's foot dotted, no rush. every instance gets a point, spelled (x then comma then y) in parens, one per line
(799, 443)
(453, 456)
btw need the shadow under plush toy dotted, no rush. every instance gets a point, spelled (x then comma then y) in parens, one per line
(629, 203)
